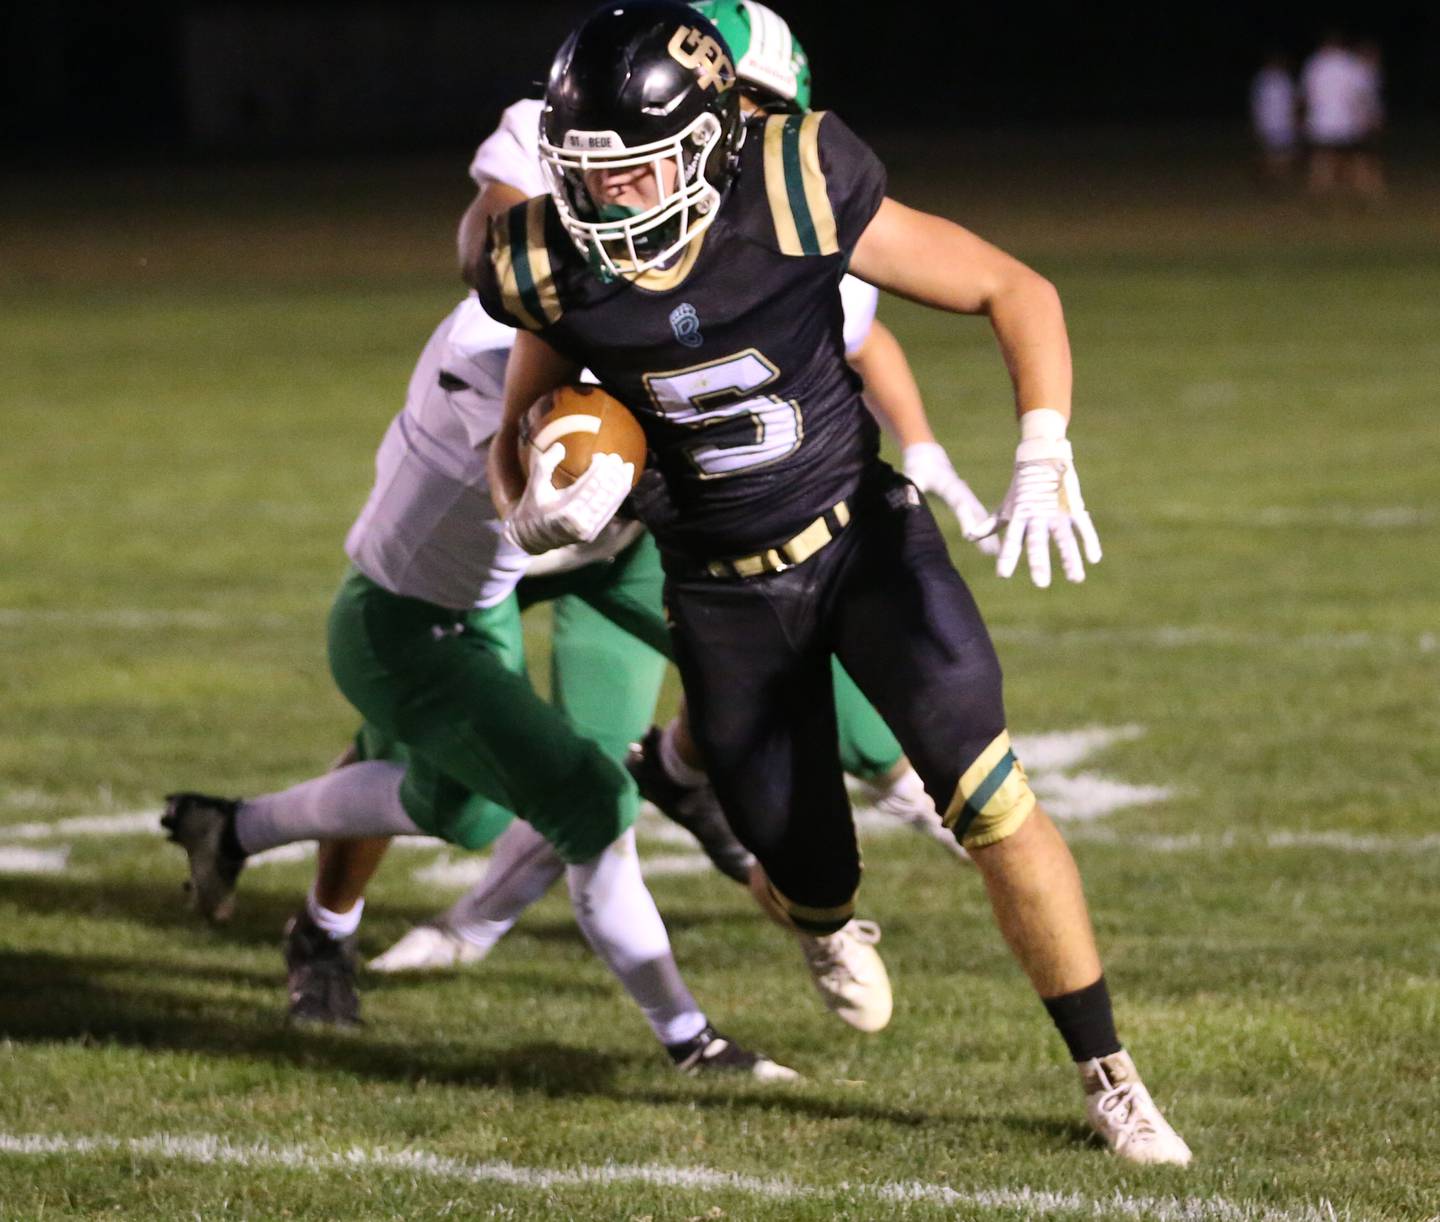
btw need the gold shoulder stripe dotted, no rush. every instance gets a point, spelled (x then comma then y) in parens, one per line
(502, 258)
(795, 186)
(545, 297)
(775, 186)
(824, 919)
(822, 217)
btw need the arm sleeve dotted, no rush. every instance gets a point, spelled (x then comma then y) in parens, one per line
(860, 301)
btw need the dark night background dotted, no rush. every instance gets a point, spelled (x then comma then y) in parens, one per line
(182, 78)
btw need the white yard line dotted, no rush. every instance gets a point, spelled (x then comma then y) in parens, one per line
(1159, 637)
(665, 865)
(16, 860)
(141, 619)
(1085, 796)
(218, 1151)
(1059, 750)
(1191, 636)
(1232, 842)
(1281, 517)
(301, 850)
(129, 823)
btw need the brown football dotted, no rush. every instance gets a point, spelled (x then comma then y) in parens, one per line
(589, 421)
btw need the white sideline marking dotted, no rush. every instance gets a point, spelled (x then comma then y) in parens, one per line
(127, 824)
(213, 1151)
(15, 860)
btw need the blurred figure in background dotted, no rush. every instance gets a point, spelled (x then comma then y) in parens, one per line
(1340, 93)
(1273, 118)
(1369, 165)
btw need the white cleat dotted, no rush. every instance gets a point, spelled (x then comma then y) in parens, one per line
(906, 801)
(1120, 1109)
(850, 975)
(428, 948)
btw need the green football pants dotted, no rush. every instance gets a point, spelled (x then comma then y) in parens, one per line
(608, 648)
(451, 688)
(605, 670)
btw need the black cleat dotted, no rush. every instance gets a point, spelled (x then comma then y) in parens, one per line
(204, 827)
(696, 810)
(710, 1053)
(320, 974)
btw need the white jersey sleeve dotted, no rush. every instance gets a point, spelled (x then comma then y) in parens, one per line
(860, 301)
(429, 529)
(511, 153)
(472, 333)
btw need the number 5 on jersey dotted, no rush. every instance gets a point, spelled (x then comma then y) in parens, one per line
(718, 400)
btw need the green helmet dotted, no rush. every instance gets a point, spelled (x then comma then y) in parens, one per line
(769, 60)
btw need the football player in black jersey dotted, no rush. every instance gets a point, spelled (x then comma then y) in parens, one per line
(691, 259)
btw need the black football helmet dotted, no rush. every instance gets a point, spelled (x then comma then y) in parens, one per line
(641, 83)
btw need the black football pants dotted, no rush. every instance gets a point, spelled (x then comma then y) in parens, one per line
(754, 654)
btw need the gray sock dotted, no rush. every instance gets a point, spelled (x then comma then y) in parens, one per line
(358, 800)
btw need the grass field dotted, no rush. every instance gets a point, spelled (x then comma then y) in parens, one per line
(197, 366)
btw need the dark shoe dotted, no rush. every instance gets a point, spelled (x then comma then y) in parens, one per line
(696, 810)
(320, 975)
(710, 1053)
(204, 826)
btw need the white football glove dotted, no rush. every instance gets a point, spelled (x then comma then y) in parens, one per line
(928, 467)
(614, 537)
(547, 517)
(1044, 503)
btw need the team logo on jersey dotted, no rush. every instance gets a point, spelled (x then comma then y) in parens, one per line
(703, 56)
(685, 322)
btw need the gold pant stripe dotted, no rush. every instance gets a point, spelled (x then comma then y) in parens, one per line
(804, 912)
(993, 797)
(995, 830)
(974, 776)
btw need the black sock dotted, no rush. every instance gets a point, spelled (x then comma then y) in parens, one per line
(1085, 1020)
(685, 1049)
(230, 841)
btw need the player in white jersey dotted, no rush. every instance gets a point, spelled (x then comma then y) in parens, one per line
(424, 641)
(1273, 117)
(1341, 90)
